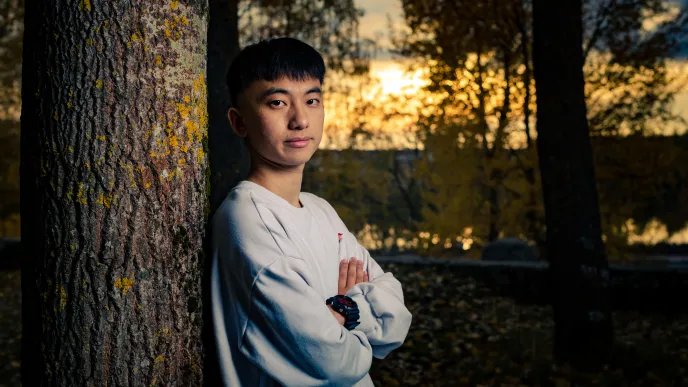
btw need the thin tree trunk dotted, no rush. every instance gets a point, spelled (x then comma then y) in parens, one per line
(496, 175)
(114, 197)
(575, 249)
(486, 168)
(228, 157)
(534, 224)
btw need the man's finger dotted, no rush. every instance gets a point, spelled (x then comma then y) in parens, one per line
(351, 279)
(359, 272)
(366, 278)
(343, 273)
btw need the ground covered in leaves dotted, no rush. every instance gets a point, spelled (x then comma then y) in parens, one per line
(463, 334)
(10, 328)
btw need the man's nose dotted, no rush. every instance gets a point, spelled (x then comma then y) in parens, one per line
(299, 118)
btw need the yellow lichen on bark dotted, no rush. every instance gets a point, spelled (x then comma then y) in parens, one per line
(177, 62)
(85, 5)
(169, 176)
(172, 27)
(200, 102)
(81, 194)
(63, 296)
(193, 133)
(191, 114)
(104, 200)
(183, 110)
(124, 284)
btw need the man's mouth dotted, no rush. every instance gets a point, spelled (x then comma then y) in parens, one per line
(298, 142)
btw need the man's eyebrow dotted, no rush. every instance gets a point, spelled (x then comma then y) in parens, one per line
(274, 90)
(315, 89)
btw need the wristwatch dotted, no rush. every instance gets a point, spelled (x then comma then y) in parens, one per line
(346, 307)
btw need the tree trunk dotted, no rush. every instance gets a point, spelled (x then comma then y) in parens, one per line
(228, 157)
(534, 224)
(575, 249)
(114, 198)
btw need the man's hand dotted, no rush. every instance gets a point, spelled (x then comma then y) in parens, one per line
(340, 319)
(350, 273)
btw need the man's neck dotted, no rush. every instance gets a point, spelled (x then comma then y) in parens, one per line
(285, 184)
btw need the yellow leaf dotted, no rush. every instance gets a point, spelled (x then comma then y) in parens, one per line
(390, 381)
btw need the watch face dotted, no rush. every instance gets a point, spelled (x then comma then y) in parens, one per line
(346, 302)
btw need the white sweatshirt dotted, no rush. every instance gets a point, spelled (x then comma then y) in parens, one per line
(274, 265)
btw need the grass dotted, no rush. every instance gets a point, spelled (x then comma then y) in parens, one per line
(463, 334)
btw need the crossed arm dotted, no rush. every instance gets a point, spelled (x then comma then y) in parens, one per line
(384, 318)
(296, 342)
(306, 347)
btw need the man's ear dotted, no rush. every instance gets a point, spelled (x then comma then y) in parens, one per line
(236, 121)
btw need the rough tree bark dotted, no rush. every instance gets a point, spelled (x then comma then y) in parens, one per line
(575, 249)
(114, 192)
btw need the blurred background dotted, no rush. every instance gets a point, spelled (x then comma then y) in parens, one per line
(429, 151)
(424, 111)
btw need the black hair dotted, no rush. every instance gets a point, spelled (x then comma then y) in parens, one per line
(271, 60)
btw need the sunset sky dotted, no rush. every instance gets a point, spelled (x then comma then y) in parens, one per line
(390, 70)
(375, 25)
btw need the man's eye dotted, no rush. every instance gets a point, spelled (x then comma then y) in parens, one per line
(276, 103)
(313, 101)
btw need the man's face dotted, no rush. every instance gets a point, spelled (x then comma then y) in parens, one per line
(283, 120)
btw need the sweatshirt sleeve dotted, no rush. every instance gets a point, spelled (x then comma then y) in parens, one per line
(384, 318)
(292, 335)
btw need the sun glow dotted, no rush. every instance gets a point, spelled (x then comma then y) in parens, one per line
(394, 79)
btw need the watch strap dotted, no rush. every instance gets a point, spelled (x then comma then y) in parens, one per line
(348, 308)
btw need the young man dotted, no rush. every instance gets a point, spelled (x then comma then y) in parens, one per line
(288, 307)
